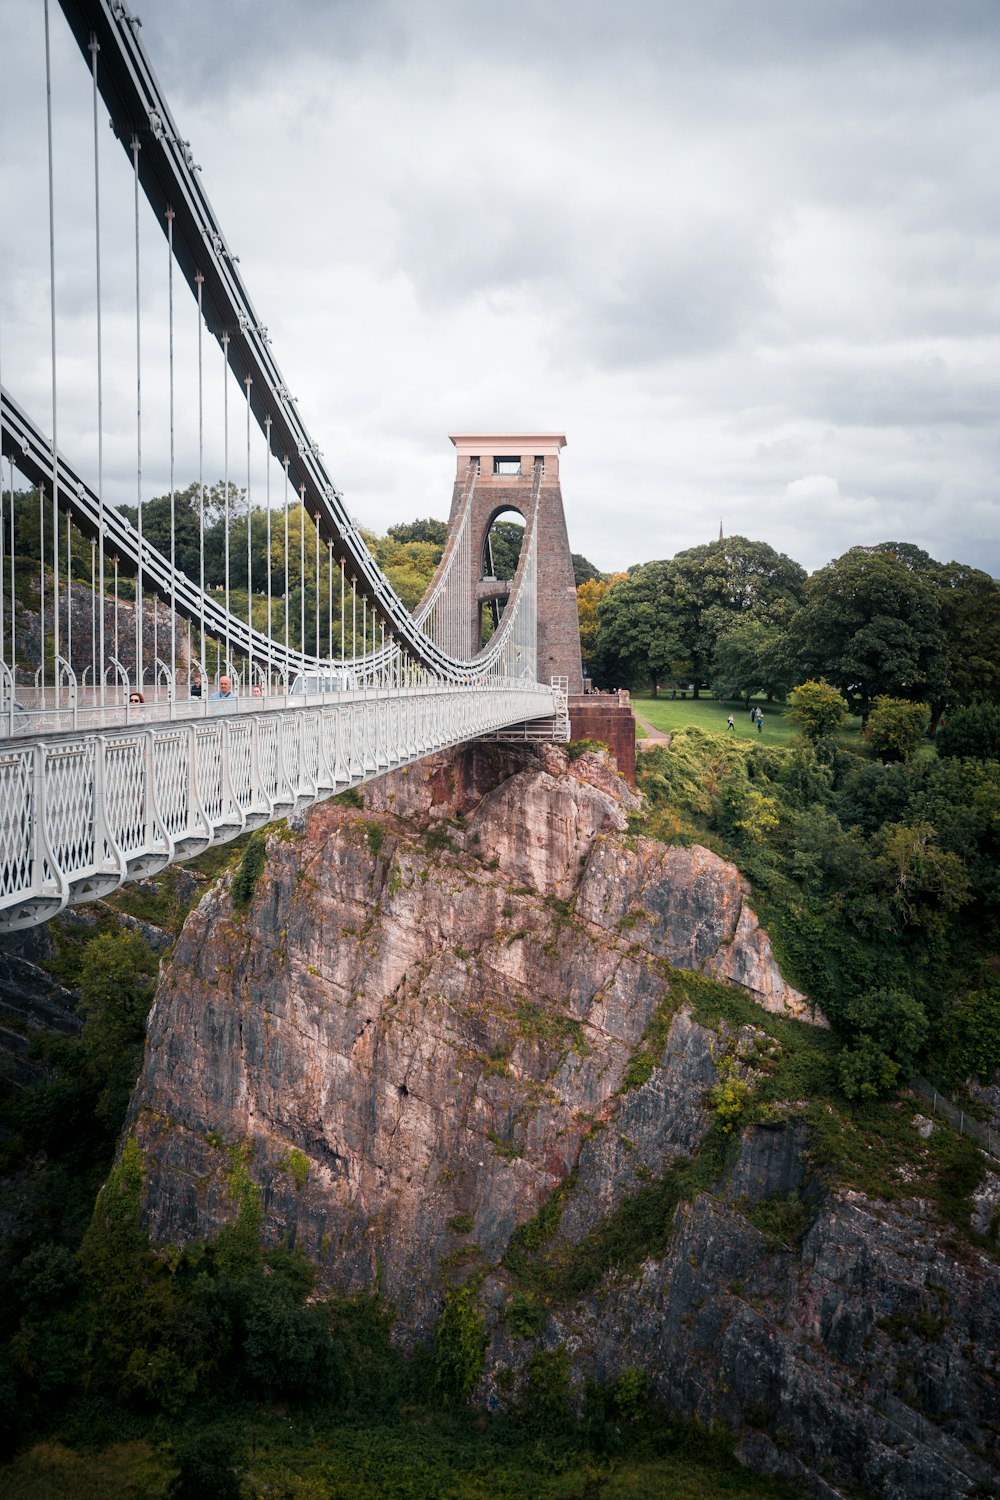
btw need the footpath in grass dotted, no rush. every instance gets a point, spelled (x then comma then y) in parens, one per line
(668, 714)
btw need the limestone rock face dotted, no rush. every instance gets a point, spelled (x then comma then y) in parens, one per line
(434, 1015)
(437, 1004)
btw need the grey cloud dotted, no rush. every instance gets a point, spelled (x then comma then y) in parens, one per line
(724, 246)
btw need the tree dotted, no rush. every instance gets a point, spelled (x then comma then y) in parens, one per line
(588, 600)
(751, 658)
(973, 731)
(923, 881)
(435, 532)
(409, 567)
(871, 626)
(505, 541)
(896, 726)
(636, 630)
(818, 709)
(887, 1028)
(584, 570)
(969, 608)
(684, 606)
(713, 588)
(972, 1035)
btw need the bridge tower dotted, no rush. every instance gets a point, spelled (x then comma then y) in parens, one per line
(504, 466)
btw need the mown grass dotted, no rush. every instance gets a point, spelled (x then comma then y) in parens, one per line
(708, 713)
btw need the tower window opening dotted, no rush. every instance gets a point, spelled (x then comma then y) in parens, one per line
(507, 464)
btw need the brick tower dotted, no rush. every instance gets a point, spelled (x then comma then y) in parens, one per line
(505, 470)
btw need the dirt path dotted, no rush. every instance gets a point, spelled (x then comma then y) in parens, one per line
(654, 736)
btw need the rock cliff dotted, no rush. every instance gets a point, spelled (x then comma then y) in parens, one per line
(451, 1029)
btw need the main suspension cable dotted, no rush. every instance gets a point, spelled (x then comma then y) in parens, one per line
(225, 449)
(173, 494)
(200, 280)
(52, 319)
(99, 652)
(139, 644)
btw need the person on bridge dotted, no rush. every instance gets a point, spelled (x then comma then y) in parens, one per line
(225, 688)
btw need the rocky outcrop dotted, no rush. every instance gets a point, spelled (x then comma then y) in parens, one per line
(442, 1008)
(422, 1012)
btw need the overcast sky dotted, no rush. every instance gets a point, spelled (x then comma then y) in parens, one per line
(746, 255)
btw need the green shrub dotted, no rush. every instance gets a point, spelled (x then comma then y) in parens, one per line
(206, 1467)
(630, 1394)
(864, 1071)
(817, 708)
(350, 798)
(374, 833)
(459, 1347)
(896, 726)
(972, 731)
(296, 1164)
(524, 1317)
(971, 1033)
(784, 1219)
(249, 870)
(460, 1224)
(544, 1404)
(438, 838)
(576, 748)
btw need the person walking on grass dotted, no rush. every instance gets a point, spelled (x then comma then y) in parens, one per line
(731, 723)
(760, 721)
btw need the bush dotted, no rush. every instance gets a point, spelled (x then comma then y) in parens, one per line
(973, 731)
(817, 708)
(972, 1035)
(576, 748)
(892, 1019)
(864, 1071)
(895, 727)
(207, 1466)
(459, 1347)
(249, 871)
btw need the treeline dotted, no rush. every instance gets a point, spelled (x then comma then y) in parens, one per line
(739, 619)
(408, 554)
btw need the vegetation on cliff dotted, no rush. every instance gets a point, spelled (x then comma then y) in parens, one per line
(877, 881)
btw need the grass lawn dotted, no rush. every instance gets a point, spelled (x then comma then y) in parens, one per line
(709, 713)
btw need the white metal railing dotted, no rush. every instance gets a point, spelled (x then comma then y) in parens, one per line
(81, 813)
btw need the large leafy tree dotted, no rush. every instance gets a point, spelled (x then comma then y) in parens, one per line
(752, 658)
(636, 637)
(969, 610)
(588, 599)
(871, 625)
(584, 570)
(684, 606)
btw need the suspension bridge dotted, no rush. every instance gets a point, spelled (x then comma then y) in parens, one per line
(149, 708)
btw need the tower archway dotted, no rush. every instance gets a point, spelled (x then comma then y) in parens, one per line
(506, 481)
(497, 566)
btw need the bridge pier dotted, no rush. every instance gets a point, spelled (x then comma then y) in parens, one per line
(606, 717)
